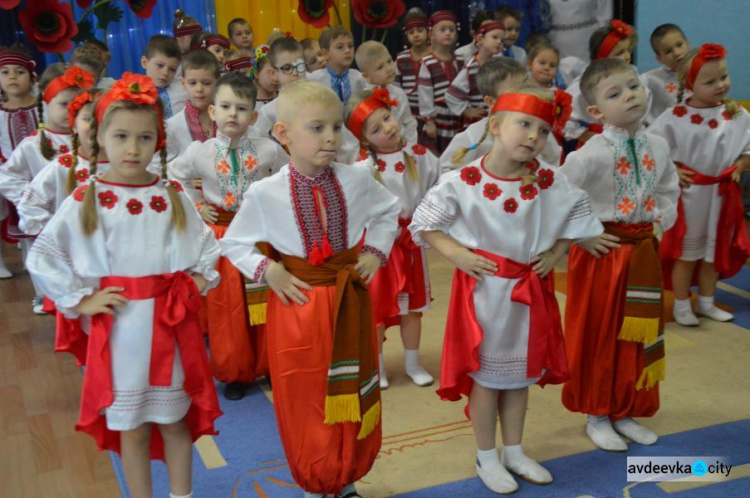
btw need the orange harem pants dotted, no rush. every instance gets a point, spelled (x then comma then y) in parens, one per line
(233, 355)
(603, 370)
(323, 458)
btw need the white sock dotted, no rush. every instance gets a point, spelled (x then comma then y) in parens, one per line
(383, 375)
(684, 304)
(599, 419)
(189, 495)
(488, 458)
(513, 451)
(313, 495)
(516, 461)
(419, 375)
(705, 302)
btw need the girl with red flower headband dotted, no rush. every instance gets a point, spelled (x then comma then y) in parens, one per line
(58, 86)
(504, 221)
(140, 397)
(709, 241)
(409, 61)
(400, 291)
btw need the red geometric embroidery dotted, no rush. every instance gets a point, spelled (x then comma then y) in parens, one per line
(223, 167)
(671, 87)
(158, 203)
(251, 162)
(134, 206)
(471, 175)
(649, 203)
(492, 191)
(107, 199)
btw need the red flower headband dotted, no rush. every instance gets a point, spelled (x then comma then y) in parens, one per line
(187, 30)
(442, 15)
(135, 88)
(490, 26)
(619, 32)
(415, 22)
(707, 52)
(16, 59)
(77, 104)
(74, 77)
(555, 113)
(238, 63)
(380, 99)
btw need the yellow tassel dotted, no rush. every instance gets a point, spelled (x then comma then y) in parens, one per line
(257, 313)
(651, 375)
(645, 330)
(370, 421)
(342, 408)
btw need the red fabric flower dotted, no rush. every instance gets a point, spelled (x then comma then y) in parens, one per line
(712, 51)
(713, 124)
(492, 191)
(381, 165)
(545, 178)
(49, 25)
(314, 12)
(696, 119)
(82, 175)
(176, 185)
(679, 111)
(400, 167)
(471, 175)
(141, 8)
(158, 203)
(64, 149)
(107, 199)
(528, 192)
(137, 88)
(419, 149)
(726, 115)
(563, 107)
(84, 3)
(80, 192)
(66, 160)
(9, 4)
(510, 205)
(134, 206)
(378, 13)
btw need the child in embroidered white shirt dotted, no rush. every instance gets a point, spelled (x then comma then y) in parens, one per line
(337, 45)
(511, 19)
(241, 35)
(160, 60)
(670, 46)
(200, 71)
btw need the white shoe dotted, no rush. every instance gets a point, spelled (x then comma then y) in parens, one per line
(530, 470)
(497, 479)
(635, 431)
(686, 318)
(4, 272)
(37, 305)
(605, 437)
(384, 384)
(420, 376)
(715, 313)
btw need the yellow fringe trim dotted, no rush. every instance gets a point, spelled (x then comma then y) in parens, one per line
(645, 330)
(651, 375)
(370, 421)
(342, 408)
(257, 313)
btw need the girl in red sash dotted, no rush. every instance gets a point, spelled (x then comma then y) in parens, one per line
(401, 291)
(131, 241)
(504, 222)
(709, 137)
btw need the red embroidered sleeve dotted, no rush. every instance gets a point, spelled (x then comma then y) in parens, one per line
(377, 252)
(261, 270)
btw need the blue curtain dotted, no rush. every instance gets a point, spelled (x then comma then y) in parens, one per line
(125, 39)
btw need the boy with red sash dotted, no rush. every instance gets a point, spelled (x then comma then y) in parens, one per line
(504, 221)
(613, 316)
(321, 337)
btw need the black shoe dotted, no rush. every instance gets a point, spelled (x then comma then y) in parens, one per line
(234, 391)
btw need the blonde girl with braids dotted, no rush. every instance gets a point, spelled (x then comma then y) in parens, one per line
(401, 291)
(47, 191)
(709, 139)
(142, 249)
(58, 86)
(504, 221)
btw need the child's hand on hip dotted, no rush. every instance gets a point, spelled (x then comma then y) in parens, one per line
(209, 213)
(285, 285)
(101, 302)
(473, 264)
(367, 265)
(600, 244)
(545, 262)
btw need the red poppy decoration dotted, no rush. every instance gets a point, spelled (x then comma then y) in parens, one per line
(134, 206)
(726, 115)
(64, 149)
(84, 3)
(400, 167)
(563, 107)
(80, 192)
(49, 25)
(66, 160)
(381, 165)
(158, 203)
(82, 175)
(419, 149)
(492, 191)
(510, 205)
(75, 105)
(545, 178)
(528, 192)
(176, 185)
(696, 119)
(378, 13)
(107, 199)
(314, 12)
(141, 8)
(9, 4)
(471, 175)
(679, 111)
(713, 124)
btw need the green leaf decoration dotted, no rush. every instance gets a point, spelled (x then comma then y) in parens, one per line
(85, 32)
(106, 14)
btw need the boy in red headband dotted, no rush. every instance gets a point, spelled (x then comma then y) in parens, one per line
(709, 139)
(321, 342)
(409, 61)
(140, 248)
(613, 316)
(504, 221)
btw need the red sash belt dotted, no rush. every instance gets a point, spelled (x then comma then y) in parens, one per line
(732, 245)
(407, 257)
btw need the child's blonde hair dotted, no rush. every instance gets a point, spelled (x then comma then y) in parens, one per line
(351, 106)
(368, 52)
(75, 142)
(730, 105)
(53, 71)
(539, 47)
(89, 215)
(299, 94)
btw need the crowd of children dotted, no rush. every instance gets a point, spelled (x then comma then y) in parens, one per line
(289, 198)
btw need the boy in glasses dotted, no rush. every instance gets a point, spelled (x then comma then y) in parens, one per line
(337, 44)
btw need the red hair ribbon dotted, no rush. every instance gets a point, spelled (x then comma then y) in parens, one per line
(135, 88)
(190, 30)
(490, 26)
(77, 104)
(74, 77)
(415, 22)
(380, 99)
(239, 63)
(619, 32)
(707, 52)
(219, 40)
(16, 59)
(555, 113)
(442, 15)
